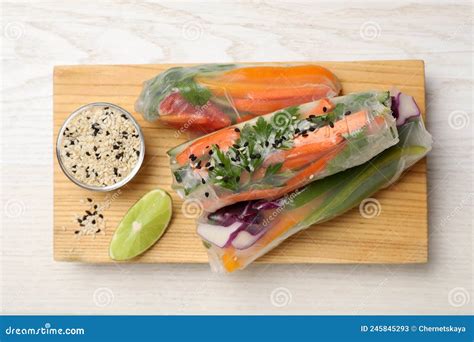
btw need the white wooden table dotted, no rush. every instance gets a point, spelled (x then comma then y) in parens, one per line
(40, 34)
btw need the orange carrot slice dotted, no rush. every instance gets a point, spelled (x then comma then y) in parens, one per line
(260, 107)
(272, 82)
(224, 138)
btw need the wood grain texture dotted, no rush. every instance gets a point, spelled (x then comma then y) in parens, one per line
(397, 235)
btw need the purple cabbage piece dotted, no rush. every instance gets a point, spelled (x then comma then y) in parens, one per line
(246, 213)
(404, 107)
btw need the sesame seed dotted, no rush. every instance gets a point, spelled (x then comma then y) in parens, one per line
(206, 194)
(94, 134)
(325, 109)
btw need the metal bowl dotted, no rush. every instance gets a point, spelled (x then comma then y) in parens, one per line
(124, 180)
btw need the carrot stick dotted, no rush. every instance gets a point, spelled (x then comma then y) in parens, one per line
(224, 138)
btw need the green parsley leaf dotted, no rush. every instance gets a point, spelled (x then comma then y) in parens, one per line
(194, 93)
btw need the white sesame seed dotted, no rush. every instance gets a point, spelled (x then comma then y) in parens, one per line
(101, 146)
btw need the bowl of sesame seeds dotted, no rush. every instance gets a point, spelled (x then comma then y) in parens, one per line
(100, 147)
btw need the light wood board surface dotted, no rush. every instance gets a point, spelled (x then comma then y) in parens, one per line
(397, 235)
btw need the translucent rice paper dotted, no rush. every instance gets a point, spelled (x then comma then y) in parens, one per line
(254, 228)
(205, 98)
(275, 154)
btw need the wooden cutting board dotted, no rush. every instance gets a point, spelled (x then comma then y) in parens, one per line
(397, 235)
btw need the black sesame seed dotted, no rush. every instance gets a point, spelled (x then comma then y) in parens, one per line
(331, 124)
(325, 109)
(304, 135)
(95, 206)
(203, 181)
(211, 168)
(77, 232)
(192, 156)
(198, 165)
(97, 231)
(208, 164)
(79, 220)
(247, 168)
(236, 146)
(246, 144)
(237, 130)
(297, 130)
(88, 212)
(211, 152)
(124, 116)
(348, 112)
(68, 154)
(206, 194)
(101, 216)
(221, 164)
(89, 200)
(115, 147)
(312, 128)
(267, 143)
(93, 221)
(312, 116)
(87, 153)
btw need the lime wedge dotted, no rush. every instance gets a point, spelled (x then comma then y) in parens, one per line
(143, 224)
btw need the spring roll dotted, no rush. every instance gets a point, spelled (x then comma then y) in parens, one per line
(275, 154)
(204, 98)
(236, 235)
